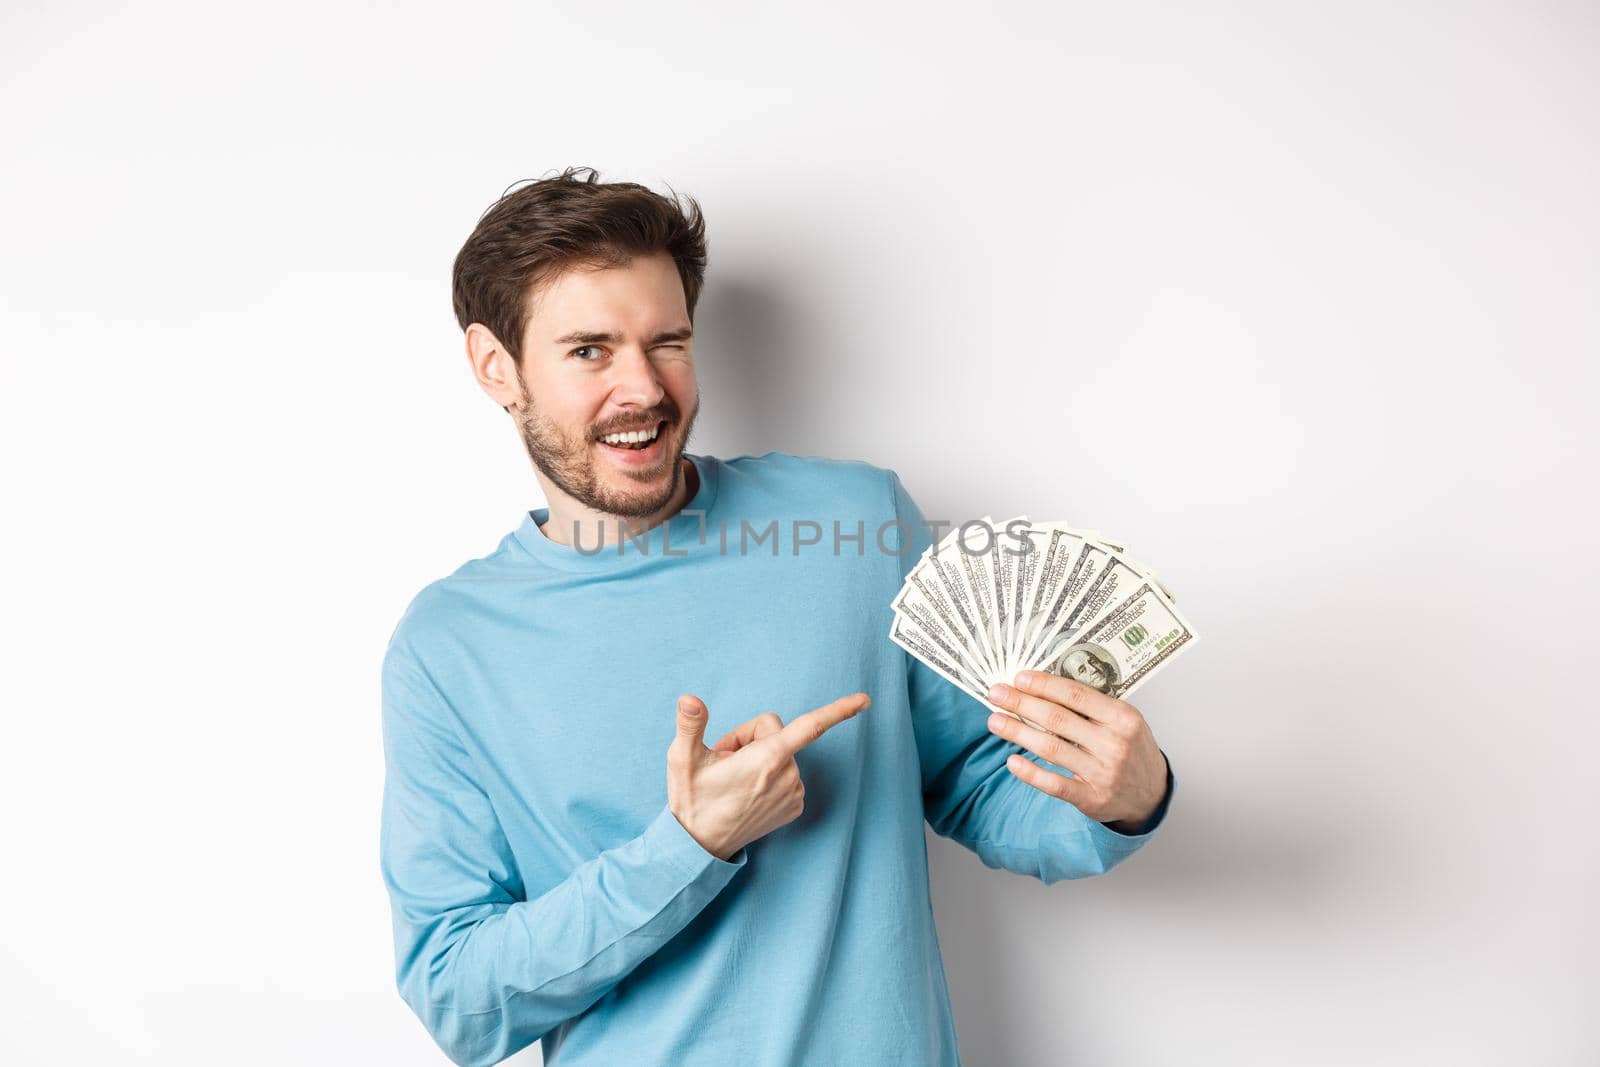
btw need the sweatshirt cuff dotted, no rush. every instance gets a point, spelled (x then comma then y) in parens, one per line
(666, 837)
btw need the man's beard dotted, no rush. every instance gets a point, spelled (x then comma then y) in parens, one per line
(569, 461)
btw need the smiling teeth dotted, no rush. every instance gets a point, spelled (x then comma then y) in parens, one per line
(632, 437)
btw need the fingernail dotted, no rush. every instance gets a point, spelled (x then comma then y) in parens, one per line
(1025, 679)
(998, 692)
(996, 720)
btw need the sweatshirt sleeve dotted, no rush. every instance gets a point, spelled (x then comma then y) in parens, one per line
(970, 797)
(486, 970)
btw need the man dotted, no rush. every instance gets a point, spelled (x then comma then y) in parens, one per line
(567, 859)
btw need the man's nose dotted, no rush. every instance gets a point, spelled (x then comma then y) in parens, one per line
(634, 379)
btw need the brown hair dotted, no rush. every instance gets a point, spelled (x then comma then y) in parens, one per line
(533, 234)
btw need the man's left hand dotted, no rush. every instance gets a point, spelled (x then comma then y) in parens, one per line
(1119, 775)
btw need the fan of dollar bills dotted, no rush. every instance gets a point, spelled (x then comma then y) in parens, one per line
(990, 600)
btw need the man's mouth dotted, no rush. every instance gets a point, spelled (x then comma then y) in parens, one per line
(636, 440)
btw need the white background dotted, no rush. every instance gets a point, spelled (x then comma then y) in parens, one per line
(1299, 301)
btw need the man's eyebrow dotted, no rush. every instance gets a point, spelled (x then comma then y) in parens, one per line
(597, 337)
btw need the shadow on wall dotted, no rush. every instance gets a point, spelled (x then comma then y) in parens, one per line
(755, 378)
(774, 374)
(1205, 865)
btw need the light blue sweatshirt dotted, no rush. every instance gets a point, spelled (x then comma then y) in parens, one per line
(541, 888)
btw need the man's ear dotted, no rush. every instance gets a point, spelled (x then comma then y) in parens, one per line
(492, 366)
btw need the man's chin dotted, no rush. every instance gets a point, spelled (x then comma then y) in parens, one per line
(639, 492)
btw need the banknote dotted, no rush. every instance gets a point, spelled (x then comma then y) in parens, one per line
(991, 599)
(1125, 645)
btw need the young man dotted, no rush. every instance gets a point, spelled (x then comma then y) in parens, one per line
(566, 857)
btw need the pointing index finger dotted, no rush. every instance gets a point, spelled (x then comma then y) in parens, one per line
(804, 729)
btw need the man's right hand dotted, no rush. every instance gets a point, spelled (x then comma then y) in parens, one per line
(748, 785)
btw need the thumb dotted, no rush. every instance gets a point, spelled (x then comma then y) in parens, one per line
(692, 716)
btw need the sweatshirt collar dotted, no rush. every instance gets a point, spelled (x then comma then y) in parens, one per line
(684, 534)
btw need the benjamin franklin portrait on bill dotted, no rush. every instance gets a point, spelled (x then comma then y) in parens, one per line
(1090, 664)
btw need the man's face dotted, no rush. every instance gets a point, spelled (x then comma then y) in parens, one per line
(609, 351)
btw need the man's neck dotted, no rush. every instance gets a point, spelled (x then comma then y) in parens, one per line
(597, 528)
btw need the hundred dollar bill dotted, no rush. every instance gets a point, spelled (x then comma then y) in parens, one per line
(1059, 549)
(1030, 539)
(932, 652)
(966, 560)
(1083, 570)
(1127, 644)
(908, 635)
(976, 544)
(1003, 566)
(924, 599)
(989, 600)
(1116, 575)
(1055, 548)
(945, 569)
(972, 554)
